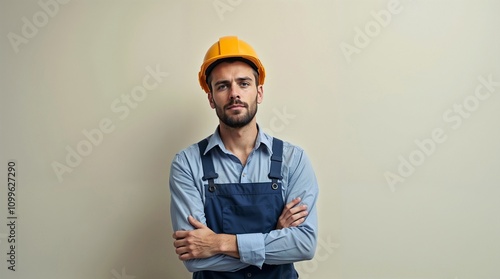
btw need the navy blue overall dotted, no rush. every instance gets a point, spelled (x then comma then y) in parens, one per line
(238, 208)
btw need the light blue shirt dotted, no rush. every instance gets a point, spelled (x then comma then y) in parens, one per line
(282, 246)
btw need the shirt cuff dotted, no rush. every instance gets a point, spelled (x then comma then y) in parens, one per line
(251, 248)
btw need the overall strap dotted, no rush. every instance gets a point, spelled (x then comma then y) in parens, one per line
(207, 163)
(276, 160)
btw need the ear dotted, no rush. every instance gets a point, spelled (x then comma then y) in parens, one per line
(211, 100)
(260, 94)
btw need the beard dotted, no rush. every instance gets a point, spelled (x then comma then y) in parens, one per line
(236, 119)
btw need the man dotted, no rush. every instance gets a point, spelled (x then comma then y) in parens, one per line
(243, 204)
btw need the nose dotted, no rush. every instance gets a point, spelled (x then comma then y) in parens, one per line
(234, 92)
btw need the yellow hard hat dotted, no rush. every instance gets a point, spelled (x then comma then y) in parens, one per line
(228, 47)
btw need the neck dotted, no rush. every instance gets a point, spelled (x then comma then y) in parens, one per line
(240, 141)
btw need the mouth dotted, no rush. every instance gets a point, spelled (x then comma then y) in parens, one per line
(236, 105)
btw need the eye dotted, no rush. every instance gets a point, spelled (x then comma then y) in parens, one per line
(244, 84)
(221, 87)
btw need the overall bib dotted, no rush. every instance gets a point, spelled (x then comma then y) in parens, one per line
(238, 208)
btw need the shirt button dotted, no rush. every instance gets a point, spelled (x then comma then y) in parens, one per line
(244, 174)
(249, 274)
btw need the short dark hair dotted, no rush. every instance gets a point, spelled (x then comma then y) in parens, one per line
(230, 60)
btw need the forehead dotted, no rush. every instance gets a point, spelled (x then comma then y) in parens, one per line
(232, 69)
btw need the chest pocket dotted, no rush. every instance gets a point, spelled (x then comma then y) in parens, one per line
(243, 208)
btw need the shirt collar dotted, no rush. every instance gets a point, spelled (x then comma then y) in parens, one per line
(262, 138)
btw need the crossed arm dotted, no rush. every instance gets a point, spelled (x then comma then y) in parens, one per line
(293, 240)
(202, 242)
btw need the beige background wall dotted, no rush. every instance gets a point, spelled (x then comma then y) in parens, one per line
(396, 103)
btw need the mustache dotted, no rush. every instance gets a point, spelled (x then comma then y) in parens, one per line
(236, 102)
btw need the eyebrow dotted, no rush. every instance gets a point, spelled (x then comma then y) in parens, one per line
(240, 79)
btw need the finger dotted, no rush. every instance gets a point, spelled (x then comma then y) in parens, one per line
(288, 209)
(293, 203)
(290, 214)
(185, 256)
(297, 218)
(176, 235)
(289, 206)
(179, 243)
(298, 209)
(300, 213)
(180, 234)
(298, 222)
(182, 251)
(197, 224)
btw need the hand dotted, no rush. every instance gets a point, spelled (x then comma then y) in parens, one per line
(195, 244)
(292, 215)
